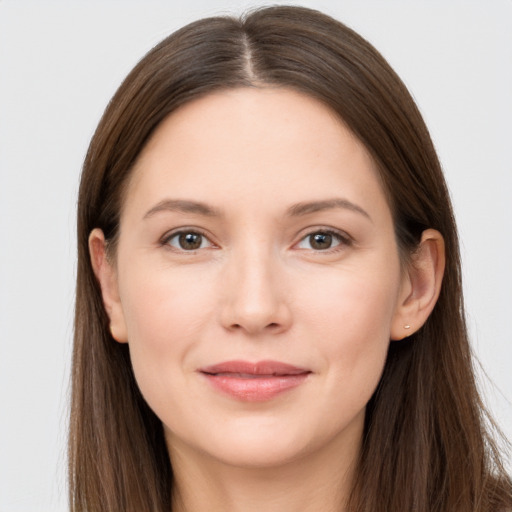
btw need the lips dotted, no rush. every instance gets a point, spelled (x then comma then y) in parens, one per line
(254, 382)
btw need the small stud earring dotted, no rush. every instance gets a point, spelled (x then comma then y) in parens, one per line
(407, 326)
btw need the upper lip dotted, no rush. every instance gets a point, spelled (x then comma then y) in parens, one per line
(270, 368)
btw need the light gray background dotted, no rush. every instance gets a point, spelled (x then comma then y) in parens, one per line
(60, 62)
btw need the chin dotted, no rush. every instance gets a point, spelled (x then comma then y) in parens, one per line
(260, 452)
(265, 443)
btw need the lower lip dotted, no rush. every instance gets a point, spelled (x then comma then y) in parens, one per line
(258, 389)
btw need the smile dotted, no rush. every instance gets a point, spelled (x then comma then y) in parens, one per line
(254, 382)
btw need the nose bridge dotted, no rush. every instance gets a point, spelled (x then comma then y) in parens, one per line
(255, 299)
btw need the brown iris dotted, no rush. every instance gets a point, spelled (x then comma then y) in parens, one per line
(190, 241)
(320, 241)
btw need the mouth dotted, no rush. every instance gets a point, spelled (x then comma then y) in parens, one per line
(254, 382)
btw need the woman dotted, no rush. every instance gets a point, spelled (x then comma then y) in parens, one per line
(269, 310)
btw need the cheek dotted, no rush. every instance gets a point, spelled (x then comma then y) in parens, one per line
(350, 318)
(355, 304)
(164, 306)
(165, 315)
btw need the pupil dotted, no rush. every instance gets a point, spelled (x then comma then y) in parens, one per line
(190, 241)
(321, 241)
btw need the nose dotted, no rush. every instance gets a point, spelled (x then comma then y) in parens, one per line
(254, 299)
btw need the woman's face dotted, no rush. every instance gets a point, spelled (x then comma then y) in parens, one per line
(258, 278)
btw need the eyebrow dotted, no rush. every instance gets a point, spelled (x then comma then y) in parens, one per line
(308, 207)
(296, 210)
(183, 206)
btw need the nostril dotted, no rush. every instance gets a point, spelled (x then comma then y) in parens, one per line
(272, 326)
(264, 317)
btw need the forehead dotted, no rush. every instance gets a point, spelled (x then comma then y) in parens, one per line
(256, 143)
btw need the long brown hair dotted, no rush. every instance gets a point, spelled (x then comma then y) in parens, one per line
(426, 445)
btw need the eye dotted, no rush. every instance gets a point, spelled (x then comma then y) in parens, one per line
(187, 241)
(323, 240)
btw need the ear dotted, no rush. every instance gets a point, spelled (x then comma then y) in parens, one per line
(106, 274)
(421, 285)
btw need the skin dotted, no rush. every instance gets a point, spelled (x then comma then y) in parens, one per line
(258, 288)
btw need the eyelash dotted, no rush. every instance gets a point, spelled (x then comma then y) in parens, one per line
(193, 231)
(342, 238)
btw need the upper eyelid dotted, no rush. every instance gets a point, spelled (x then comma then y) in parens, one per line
(324, 229)
(164, 240)
(178, 231)
(344, 241)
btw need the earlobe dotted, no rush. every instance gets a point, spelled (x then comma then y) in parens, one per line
(421, 286)
(106, 275)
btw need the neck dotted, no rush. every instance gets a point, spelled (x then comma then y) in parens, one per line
(318, 481)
